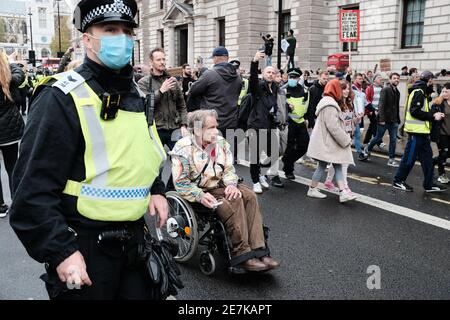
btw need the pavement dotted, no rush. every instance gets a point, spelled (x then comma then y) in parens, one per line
(327, 250)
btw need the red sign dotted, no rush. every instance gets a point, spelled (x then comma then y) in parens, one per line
(349, 25)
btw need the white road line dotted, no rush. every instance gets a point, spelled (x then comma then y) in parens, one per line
(387, 206)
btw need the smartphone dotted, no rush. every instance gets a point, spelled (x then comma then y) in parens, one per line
(217, 204)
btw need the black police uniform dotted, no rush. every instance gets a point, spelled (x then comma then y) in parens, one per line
(298, 137)
(47, 221)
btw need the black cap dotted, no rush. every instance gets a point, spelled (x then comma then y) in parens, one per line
(220, 52)
(89, 12)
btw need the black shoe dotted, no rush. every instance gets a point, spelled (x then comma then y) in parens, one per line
(3, 210)
(290, 176)
(402, 186)
(435, 188)
(363, 157)
(276, 182)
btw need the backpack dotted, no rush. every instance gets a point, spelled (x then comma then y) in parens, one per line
(244, 111)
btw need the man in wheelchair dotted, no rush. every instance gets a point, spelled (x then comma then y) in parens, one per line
(203, 172)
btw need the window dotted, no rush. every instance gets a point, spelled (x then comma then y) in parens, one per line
(42, 14)
(286, 18)
(221, 26)
(353, 45)
(45, 53)
(413, 17)
(161, 4)
(161, 38)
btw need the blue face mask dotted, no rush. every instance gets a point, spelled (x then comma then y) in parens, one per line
(115, 51)
(292, 82)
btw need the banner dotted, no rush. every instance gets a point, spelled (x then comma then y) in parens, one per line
(349, 25)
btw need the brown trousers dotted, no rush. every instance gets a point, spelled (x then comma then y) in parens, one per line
(242, 219)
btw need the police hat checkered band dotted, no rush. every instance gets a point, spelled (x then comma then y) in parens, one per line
(114, 193)
(117, 7)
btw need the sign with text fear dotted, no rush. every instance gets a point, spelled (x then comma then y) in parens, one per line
(349, 25)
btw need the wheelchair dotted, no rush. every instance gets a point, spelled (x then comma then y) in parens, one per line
(192, 225)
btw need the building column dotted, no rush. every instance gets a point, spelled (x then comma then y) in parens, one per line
(190, 22)
(170, 53)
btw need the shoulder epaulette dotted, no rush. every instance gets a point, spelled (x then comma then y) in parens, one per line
(68, 81)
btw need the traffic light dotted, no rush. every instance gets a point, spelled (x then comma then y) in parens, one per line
(32, 57)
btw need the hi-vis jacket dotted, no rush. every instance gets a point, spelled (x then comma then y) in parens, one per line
(297, 97)
(413, 125)
(121, 158)
(55, 150)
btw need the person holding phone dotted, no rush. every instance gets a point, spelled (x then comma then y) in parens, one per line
(203, 171)
(170, 106)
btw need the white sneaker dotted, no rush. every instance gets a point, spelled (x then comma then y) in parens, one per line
(443, 179)
(257, 188)
(315, 193)
(263, 181)
(346, 195)
(393, 163)
(302, 160)
(382, 145)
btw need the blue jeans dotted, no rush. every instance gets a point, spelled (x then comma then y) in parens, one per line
(358, 139)
(381, 130)
(418, 146)
(269, 61)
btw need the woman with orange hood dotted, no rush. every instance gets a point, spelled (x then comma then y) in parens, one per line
(330, 142)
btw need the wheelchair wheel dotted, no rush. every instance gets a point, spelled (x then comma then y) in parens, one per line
(207, 263)
(181, 227)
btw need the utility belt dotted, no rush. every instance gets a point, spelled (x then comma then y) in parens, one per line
(133, 242)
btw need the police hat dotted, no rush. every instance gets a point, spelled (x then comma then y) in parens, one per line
(89, 12)
(236, 63)
(295, 72)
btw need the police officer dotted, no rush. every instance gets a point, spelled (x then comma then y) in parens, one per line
(88, 167)
(418, 126)
(244, 90)
(298, 137)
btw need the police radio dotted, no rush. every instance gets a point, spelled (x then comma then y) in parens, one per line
(110, 106)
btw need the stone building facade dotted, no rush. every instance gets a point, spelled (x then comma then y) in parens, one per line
(400, 32)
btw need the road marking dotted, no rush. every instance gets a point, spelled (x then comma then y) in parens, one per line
(384, 205)
(440, 200)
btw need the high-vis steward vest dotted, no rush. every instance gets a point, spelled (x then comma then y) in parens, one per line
(413, 125)
(122, 157)
(24, 83)
(300, 107)
(244, 91)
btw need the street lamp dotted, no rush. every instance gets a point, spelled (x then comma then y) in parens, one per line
(31, 54)
(59, 31)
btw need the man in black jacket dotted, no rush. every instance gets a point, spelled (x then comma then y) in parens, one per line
(219, 89)
(268, 48)
(418, 124)
(388, 118)
(291, 49)
(262, 119)
(65, 210)
(315, 94)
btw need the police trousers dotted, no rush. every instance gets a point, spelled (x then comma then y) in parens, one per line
(297, 145)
